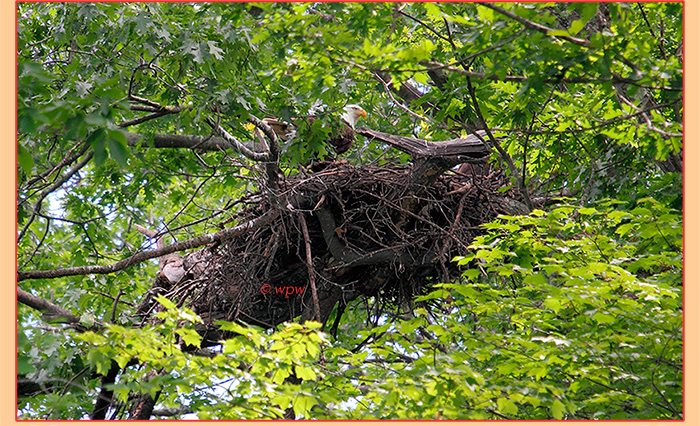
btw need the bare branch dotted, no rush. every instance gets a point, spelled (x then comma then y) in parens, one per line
(400, 104)
(238, 145)
(310, 265)
(555, 80)
(150, 254)
(45, 193)
(179, 141)
(535, 26)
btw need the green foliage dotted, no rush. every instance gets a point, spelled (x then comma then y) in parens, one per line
(582, 309)
(248, 379)
(572, 314)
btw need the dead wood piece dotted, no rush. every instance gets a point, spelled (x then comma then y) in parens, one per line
(471, 146)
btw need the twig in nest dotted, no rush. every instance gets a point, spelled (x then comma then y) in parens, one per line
(310, 266)
(114, 306)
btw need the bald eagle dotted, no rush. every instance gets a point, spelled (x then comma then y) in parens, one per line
(340, 138)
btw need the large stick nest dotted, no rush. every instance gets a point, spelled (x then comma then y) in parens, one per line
(372, 234)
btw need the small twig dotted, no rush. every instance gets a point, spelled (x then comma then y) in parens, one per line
(415, 216)
(651, 30)
(57, 184)
(113, 298)
(400, 104)
(69, 383)
(310, 265)
(113, 317)
(73, 154)
(143, 119)
(428, 27)
(430, 65)
(527, 136)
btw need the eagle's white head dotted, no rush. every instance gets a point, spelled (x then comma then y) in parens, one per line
(353, 113)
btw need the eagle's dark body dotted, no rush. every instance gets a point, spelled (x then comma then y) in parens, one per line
(341, 136)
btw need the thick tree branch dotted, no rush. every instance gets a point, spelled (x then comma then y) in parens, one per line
(171, 412)
(178, 141)
(50, 311)
(213, 144)
(271, 164)
(238, 145)
(104, 398)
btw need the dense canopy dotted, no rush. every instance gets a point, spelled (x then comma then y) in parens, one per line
(503, 240)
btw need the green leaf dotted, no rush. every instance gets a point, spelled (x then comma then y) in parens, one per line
(558, 409)
(87, 320)
(506, 406)
(625, 228)
(535, 279)
(25, 160)
(280, 375)
(575, 27)
(304, 373)
(602, 318)
(433, 10)
(24, 365)
(167, 304)
(539, 372)
(553, 303)
(190, 337)
(303, 404)
(97, 140)
(117, 147)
